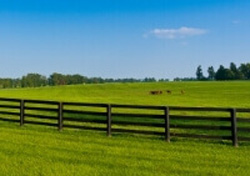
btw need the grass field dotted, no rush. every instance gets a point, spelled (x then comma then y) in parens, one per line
(222, 94)
(38, 150)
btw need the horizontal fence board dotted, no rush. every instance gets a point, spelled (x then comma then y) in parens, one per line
(40, 116)
(138, 115)
(137, 131)
(244, 138)
(176, 108)
(42, 102)
(243, 120)
(8, 120)
(242, 110)
(85, 104)
(138, 107)
(10, 106)
(10, 99)
(39, 123)
(200, 136)
(244, 129)
(41, 109)
(84, 120)
(85, 112)
(137, 124)
(182, 117)
(201, 127)
(85, 127)
(10, 113)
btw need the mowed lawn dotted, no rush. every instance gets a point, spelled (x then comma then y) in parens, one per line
(38, 150)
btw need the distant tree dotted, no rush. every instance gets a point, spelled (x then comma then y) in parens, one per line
(185, 79)
(33, 80)
(224, 74)
(74, 79)
(245, 70)
(220, 74)
(149, 80)
(57, 79)
(163, 80)
(6, 83)
(233, 67)
(238, 75)
(109, 80)
(95, 80)
(229, 75)
(199, 73)
(211, 73)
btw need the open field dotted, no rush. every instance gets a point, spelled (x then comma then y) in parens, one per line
(38, 150)
(213, 94)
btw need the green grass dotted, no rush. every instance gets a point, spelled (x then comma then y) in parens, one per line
(39, 150)
(222, 94)
(44, 151)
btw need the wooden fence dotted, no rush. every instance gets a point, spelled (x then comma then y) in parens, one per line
(168, 121)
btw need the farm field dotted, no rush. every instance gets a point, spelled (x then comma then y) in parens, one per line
(212, 94)
(38, 150)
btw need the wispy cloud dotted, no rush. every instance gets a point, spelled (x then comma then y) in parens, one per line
(177, 33)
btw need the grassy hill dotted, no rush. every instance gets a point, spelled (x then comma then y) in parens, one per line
(39, 150)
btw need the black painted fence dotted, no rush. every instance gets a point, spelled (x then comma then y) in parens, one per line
(192, 122)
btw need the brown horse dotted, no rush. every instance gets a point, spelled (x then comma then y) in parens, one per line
(169, 91)
(155, 92)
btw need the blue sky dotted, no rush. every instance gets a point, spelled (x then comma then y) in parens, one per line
(122, 38)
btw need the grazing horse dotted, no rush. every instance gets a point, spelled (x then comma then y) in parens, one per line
(155, 92)
(182, 92)
(169, 91)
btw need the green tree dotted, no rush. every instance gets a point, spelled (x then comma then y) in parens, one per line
(224, 74)
(57, 79)
(149, 79)
(33, 80)
(211, 73)
(245, 70)
(238, 75)
(199, 73)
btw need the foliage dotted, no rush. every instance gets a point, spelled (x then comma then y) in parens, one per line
(231, 73)
(224, 74)
(55, 79)
(211, 73)
(245, 70)
(199, 73)
(33, 80)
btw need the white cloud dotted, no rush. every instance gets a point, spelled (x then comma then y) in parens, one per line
(177, 33)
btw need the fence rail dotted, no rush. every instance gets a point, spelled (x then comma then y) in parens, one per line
(167, 121)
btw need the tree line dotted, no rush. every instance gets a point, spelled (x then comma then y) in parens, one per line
(232, 73)
(55, 79)
(37, 80)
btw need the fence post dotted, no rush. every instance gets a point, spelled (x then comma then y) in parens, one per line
(60, 116)
(234, 127)
(109, 119)
(21, 112)
(167, 124)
